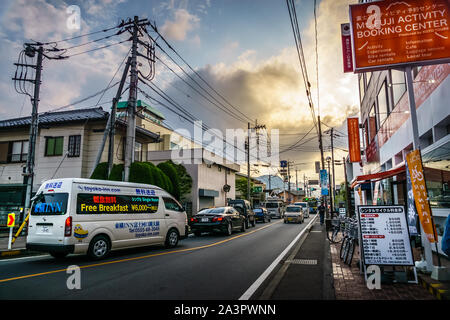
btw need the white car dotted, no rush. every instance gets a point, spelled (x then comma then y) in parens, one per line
(304, 206)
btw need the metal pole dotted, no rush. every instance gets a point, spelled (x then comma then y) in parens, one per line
(33, 133)
(131, 110)
(330, 191)
(347, 198)
(416, 145)
(248, 162)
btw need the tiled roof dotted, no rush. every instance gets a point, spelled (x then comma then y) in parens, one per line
(58, 117)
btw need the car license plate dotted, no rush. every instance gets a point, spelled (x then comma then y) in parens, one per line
(205, 219)
(44, 229)
(290, 219)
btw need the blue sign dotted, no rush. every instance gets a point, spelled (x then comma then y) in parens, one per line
(324, 182)
(283, 163)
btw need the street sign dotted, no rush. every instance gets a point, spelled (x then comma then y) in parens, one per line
(283, 163)
(11, 220)
(385, 236)
(353, 139)
(394, 33)
(257, 189)
(342, 211)
(324, 182)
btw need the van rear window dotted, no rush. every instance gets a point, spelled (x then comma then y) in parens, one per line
(88, 203)
(50, 204)
(272, 205)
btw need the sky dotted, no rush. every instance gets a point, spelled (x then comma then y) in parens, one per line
(244, 49)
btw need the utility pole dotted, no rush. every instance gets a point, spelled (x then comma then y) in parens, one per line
(322, 162)
(332, 164)
(131, 109)
(248, 162)
(289, 179)
(110, 125)
(29, 174)
(347, 194)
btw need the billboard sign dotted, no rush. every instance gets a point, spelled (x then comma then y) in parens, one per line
(415, 168)
(394, 33)
(324, 182)
(385, 236)
(353, 139)
(346, 47)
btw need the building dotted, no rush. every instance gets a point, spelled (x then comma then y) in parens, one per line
(387, 137)
(66, 146)
(212, 183)
(292, 196)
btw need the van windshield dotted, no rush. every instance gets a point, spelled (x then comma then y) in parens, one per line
(271, 205)
(50, 204)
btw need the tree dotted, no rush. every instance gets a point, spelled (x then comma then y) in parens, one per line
(241, 187)
(170, 171)
(185, 184)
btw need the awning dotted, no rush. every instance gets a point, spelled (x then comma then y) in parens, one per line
(377, 176)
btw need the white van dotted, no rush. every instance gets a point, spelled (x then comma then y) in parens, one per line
(275, 207)
(95, 216)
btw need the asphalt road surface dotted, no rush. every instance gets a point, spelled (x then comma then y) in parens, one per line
(209, 267)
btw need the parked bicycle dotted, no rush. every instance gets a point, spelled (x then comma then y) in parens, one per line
(334, 233)
(349, 241)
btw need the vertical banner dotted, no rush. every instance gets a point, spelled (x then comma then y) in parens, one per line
(347, 47)
(414, 161)
(376, 193)
(411, 212)
(354, 144)
(324, 182)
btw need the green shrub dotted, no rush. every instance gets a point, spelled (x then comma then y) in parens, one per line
(171, 172)
(116, 172)
(100, 172)
(140, 172)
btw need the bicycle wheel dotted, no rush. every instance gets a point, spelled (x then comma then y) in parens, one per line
(351, 251)
(337, 236)
(343, 244)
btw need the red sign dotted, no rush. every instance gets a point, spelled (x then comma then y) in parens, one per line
(406, 32)
(353, 139)
(347, 47)
(11, 220)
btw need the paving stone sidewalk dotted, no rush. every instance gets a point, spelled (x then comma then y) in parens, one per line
(349, 284)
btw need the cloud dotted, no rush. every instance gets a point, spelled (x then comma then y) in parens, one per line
(183, 23)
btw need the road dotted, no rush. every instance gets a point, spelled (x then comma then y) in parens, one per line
(202, 268)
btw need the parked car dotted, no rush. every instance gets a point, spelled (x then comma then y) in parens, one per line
(261, 214)
(220, 219)
(305, 208)
(244, 208)
(294, 214)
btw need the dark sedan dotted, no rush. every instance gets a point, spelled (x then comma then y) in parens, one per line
(221, 219)
(261, 214)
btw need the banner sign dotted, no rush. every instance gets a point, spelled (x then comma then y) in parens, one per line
(385, 236)
(410, 207)
(353, 139)
(419, 188)
(347, 47)
(324, 182)
(408, 32)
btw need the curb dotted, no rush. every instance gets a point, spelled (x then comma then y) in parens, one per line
(437, 289)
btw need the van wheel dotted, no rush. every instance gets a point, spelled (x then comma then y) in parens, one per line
(99, 247)
(172, 238)
(58, 255)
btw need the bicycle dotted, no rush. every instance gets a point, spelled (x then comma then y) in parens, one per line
(349, 242)
(333, 231)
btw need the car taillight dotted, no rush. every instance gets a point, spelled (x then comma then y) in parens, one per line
(68, 227)
(194, 220)
(217, 219)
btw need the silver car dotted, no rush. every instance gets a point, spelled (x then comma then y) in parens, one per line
(294, 214)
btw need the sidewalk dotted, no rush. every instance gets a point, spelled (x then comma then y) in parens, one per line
(314, 271)
(17, 248)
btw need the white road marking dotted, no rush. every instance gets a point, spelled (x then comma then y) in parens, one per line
(22, 258)
(252, 289)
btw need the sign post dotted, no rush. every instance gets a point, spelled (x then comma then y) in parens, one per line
(10, 224)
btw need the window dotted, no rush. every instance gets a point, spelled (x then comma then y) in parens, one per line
(74, 146)
(137, 151)
(4, 146)
(398, 85)
(50, 204)
(172, 204)
(19, 151)
(362, 87)
(115, 204)
(383, 107)
(54, 146)
(373, 123)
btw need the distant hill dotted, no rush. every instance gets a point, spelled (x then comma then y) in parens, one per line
(275, 182)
